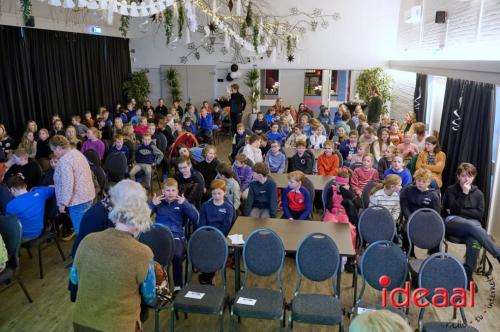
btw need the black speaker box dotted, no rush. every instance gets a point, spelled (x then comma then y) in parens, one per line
(440, 17)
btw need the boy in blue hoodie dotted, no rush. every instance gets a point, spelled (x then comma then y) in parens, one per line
(275, 159)
(262, 196)
(274, 134)
(174, 211)
(206, 126)
(296, 200)
(260, 125)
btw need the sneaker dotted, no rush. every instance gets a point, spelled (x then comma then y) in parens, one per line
(69, 237)
(177, 288)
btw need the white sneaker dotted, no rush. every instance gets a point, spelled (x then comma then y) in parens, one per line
(177, 288)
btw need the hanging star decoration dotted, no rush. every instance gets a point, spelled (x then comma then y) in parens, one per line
(212, 27)
(290, 58)
(197, 55)
(184, 59)
(223, 50)
(191, 46)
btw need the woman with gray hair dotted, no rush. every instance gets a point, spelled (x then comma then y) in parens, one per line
(112, 270)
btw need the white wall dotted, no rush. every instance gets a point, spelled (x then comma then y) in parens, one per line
(402, 90)
(365, 36)
(58, 18)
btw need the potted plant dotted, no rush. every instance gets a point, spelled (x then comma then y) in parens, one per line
(137, 86)
(375, 77)
(252, 80)
(172, 78)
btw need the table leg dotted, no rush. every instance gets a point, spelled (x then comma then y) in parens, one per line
(237, 283)
(339, 279)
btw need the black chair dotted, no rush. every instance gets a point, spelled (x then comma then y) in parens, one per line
(317, 259)
(92, 157)
(425, 230)
(11, 232)
(161, 241)
(101, 177)
(310, 188)
(207, 252)
(46, 239)
(116, 166)
(263, 255)
(365, 195)
(341, 159)
(381, 258)
(444, 271)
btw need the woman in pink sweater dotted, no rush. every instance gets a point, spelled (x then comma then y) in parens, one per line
(364, 174)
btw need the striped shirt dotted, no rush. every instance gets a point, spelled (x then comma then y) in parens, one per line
(391, 203)
(73, 179)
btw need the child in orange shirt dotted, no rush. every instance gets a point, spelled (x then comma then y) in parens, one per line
(328, 162)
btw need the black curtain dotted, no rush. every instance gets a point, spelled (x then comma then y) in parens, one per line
(466, 131)
(44, 72)
(420, 97)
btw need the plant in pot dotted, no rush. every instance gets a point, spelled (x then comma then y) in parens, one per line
(172, 78)
(137, 86)
(252, 80)
(375, 77)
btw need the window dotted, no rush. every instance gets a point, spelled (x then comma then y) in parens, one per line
(313, 82)
(269, 82)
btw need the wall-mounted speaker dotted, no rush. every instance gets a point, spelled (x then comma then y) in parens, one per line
(440, 17)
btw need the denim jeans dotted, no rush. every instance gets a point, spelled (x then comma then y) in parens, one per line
(76, 213)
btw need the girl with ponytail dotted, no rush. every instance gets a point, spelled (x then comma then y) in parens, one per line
(386, 194)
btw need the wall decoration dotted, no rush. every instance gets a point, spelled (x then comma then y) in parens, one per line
(251, 28)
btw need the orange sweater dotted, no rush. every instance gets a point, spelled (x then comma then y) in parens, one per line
(436, 169)
(328, 165)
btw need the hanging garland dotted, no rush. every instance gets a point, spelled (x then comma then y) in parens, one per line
(26, 9)
(181, 18)
(124, 24)
(168, 23)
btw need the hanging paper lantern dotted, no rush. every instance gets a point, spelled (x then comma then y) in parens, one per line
(134, 12)
(103, 4)
(68, 4)
(123, 8)
(93, 5)
(81, 3)
(234, 67)
(143, 11)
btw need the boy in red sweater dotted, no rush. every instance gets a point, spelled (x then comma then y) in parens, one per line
(328, 162)
(364, 174)
(296, 200)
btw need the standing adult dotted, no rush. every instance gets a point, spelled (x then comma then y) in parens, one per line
(161, 109)
(112, 271)
(237, 106)
(72, 179)
(374, 107)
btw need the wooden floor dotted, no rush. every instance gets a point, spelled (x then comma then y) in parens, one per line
(52, 309)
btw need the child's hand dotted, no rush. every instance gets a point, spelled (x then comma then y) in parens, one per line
(157, 199)
(181, 199)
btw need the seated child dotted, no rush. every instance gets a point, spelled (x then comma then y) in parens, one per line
(395, 135)
(338, 136)
(142, 127)
(238, 139)
(43, 150)
(217, 116)
(118, 146)
(399, 169)
(407, 149)
(205, 126)
(174, 211)
(233, 192)
(208, 166)
(276, 159)
(296, 199)
(368, 136)
(304, 123)
(244, 174)
(147, 155)
(191, 183)
(386, 194)
(265, 145)
(260, 125)
(252, 149)
(302, 160)
(364, 174)
(324, 116)
(93, 142)
(361, 150)
(297, 135)
(271, 116)
(385, 162)
(363, 123)
(274, 134)
(28, 206)
(262, 197)
(339, 204)
(317, 139)
(328, 162)
(349, 147)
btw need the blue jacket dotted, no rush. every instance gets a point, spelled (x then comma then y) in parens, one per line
(405, 175)
(29, 208)
(175, 216)
(262, 196)
(345, 149)
(276, 162)
(274, 137)
(220, 217)
(206, 123)
(307, 201)
(269, 118)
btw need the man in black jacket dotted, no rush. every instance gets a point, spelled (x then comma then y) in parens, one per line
(463, 211)
(237, 106)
